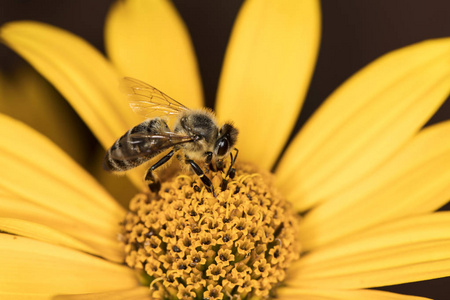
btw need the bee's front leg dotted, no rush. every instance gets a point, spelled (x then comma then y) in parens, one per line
(206, 181)
(153, 182)
(209, 162)
(232, 171)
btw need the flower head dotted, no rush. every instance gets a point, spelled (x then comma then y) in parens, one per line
(186, 240)
(362, 173)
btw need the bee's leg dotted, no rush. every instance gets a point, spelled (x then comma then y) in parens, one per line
(153, 184)
(219, 165)
(206, 181)
(232, 171)
(208, 162)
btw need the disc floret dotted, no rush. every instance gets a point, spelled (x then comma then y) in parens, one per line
(188, 244)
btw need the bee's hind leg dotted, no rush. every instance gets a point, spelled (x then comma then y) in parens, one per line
(206, 181)
(153, 183)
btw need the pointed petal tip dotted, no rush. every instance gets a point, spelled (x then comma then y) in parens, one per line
(136, 38)
(388, 112)
(269, 61)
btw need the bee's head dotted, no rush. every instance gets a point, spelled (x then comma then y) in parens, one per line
(226, 141)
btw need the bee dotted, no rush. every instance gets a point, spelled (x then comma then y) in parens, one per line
(195, 137)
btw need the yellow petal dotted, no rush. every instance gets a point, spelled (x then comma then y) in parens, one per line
(267, 69)
(325, 294)
(373, 278)
(80, 73)
(28, 97)
(412, 230)
(149, 41)
(408, 250)
(118, 186)
(414, 181)
(43, 233)
(106, 246)
(365, 121)
(138, 293)
(34, 169)
(34, 267)
(24, 296)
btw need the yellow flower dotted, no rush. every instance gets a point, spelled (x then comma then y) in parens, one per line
(364, 174)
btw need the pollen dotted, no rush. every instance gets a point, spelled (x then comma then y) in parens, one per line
(187, 244)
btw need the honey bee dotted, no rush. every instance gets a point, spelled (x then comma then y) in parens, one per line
(195, 137)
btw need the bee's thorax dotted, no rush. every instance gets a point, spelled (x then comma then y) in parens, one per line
(202, 127)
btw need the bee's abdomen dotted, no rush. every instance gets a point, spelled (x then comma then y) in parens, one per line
(113, 163)
(126, 153)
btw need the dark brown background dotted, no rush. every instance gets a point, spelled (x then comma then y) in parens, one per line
(354, 33)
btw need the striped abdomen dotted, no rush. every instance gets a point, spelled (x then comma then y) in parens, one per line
(136, 146)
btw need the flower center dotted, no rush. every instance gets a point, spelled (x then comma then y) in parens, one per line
(188, 244)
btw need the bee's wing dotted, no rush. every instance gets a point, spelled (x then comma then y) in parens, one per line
(148, 101)
(148, 145)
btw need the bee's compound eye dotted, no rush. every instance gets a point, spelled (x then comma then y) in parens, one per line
(222, 147)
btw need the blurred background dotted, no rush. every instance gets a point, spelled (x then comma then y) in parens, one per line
(354, 33)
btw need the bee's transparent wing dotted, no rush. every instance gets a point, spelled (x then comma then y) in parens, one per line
(148, 101)
(148, 145)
